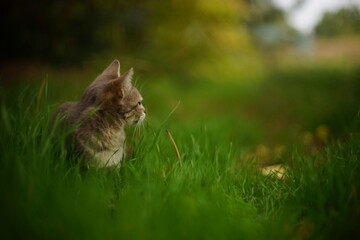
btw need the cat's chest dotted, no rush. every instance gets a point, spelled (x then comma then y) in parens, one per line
(112, 151)
(113, 139)
(108, 158)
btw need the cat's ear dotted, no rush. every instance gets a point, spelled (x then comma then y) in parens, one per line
(126, 80)
(112, 71)
(120, 86)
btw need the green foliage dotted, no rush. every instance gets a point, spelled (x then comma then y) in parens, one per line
(328, 190)
(340, 23)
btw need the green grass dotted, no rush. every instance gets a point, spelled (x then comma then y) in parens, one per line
(217, 193)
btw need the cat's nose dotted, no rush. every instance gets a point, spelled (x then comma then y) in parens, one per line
(144, 110)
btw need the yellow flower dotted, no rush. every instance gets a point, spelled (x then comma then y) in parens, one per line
(322, 132)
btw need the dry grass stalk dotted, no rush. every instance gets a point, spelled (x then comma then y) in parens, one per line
(175, 147)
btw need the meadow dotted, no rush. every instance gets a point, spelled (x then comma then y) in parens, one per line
(304, 117)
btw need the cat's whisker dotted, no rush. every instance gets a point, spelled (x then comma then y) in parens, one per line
(140, 126)
(134, 132)
(143, 126)
(137, 129)
(146, 123)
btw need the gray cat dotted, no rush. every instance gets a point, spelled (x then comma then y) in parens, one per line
(107, 106)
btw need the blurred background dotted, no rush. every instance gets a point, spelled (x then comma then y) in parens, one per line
(261, 73)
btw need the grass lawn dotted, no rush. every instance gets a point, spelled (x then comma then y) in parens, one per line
(304, 118)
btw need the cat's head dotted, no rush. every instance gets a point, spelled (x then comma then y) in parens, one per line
(116, 95)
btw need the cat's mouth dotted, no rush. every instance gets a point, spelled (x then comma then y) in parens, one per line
(140, 120)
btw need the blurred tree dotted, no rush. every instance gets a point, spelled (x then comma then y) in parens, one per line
(341, 22)
(268, 25)
(206, 38)
(262, 11)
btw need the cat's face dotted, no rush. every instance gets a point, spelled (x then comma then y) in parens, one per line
(131, 105)
(119, 99)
